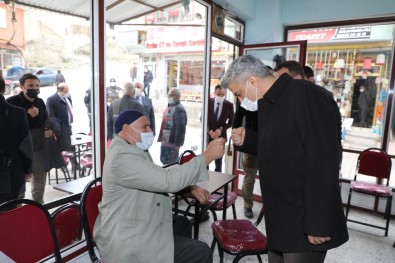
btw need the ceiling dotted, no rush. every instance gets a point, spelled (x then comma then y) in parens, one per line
(118, 11)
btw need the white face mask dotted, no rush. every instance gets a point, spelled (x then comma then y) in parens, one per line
(219, 99)
(249, 104)
(170, 100)
(147, 138)
(137, 92)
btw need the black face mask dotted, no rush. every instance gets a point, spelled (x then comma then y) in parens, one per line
(32, 93)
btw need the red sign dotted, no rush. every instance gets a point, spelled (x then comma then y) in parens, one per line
(316, 35)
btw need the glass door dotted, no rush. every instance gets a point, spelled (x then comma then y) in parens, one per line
(271, 54)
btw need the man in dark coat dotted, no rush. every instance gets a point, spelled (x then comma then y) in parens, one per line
(59, 107)
(220, 118)
(16, 149)
(146, 102)
(37, 118)
(298, 157)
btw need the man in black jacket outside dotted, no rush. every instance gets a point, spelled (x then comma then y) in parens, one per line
(37, 118)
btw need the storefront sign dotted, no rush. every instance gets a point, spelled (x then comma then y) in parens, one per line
(351, 33)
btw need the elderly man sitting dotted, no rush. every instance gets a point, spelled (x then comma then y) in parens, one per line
(135, 222)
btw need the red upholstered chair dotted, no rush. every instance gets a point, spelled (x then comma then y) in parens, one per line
(27, 233)
(239, 237)
(86, 163)
(66, 158)
(186, 156)
(376, 164)
(91, 196)
(67, 223)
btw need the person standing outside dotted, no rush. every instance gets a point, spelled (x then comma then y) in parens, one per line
(37, 118)
(148, 77)
(59, 78)
(16, 149)
(60, 108)
(298, 159)
(173, 128)
(363, 105)
(146, 102)
(127, 102)
(248, 120)
(220, 118)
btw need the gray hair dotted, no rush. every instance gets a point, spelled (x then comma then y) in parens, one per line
(128, 89)
(243, 67)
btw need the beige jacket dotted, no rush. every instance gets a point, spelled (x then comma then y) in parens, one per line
(135, 220)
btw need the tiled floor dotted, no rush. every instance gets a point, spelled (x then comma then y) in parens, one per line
(366, 244)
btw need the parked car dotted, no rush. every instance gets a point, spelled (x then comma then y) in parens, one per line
(45, 75)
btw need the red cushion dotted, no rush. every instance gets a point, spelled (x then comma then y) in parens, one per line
(86, 162)
(238, 236)
(369, 188)
(219, 206)
(231, 199)
(92, 210)
(67, 226)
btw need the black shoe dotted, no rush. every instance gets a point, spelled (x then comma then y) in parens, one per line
(248, 213)
(203, 218)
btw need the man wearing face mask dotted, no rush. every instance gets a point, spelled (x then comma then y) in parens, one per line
(220, 118)
(135, 221)
(173, 128)
(59, 107)
(298, 158)
(37, 119)
(146, 102)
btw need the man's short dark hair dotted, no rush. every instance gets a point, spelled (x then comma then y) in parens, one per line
(2, 85)
(293, 67)
(218, 87)
(27, 76)
(308, 72)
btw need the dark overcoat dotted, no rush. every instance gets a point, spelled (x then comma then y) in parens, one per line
(298, 156)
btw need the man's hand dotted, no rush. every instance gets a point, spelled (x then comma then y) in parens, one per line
(215, 150)
(238, 135)
(200, 194)
(33, 111)
(318, 240)
(218, 132)
(213, 134)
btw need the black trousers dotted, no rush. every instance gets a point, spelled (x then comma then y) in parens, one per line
(186, 249)
(300, 257)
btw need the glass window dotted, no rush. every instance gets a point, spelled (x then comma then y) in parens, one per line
(175, 56)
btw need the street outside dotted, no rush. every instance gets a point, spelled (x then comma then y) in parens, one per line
(79, 80)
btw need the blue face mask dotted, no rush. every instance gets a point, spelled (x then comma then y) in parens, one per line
(249, 104)
(170, 100)
(147, 138)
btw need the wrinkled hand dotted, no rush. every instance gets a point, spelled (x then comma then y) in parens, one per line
(218, 132)
(33, 111)
(215, 150)
(318, 240)
(200, 194)
(238, 135)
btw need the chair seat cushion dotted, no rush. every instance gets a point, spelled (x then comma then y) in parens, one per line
(219, 206)
(238, 236)
(231, 200)
(86, 162)
(369, 188)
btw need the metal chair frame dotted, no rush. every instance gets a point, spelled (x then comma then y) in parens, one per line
(368, 172)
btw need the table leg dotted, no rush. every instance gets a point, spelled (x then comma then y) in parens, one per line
(225, 202)
(197, 221)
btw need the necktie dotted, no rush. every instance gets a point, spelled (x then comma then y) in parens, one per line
(216, 112)
(69, 110)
